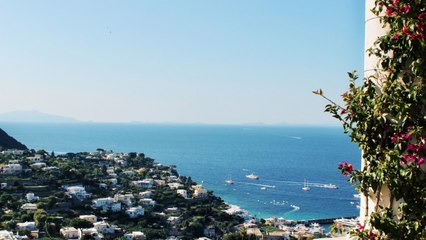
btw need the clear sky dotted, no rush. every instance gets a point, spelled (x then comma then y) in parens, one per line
(187, 61)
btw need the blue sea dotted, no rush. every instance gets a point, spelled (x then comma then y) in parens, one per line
(283, 157)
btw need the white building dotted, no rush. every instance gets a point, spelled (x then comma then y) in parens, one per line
(6, 235)
(11, 169)
(107, 204)
(69, 233)
(29, 206)
(199, 191)
(31, 197)
(124, 198)
(36, 159)
(135, 236)
(38, 165)
(147, 202)
(135, 212)
(183, 193)
(146, 194)
(13, 152)
(145, 183)
(3, 185)
(175, 185)
(78, 192)
(26, 226)
(89, 232)
(103, 227)
(91, 218)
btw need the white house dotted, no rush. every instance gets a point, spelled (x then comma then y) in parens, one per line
(91, 218)
(89, 232)
(13, 152)
(146, 194)
(124, 198)
(135, 212)
(31, 197)
(135, 236)
(26, 226)
(175, 185)
(36, 159)
(183, 193)
(69, 232)
(147, 202)
(29, 206)
(11, 169)
(78, 192)
(145, 183)
(103, 227)
(6, 235)
(200, 193)
(38, 165)
(107, 204)
(3, 185)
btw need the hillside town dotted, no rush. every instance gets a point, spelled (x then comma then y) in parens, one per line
(107, 195)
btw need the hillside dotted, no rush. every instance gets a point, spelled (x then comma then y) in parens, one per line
(8, 142)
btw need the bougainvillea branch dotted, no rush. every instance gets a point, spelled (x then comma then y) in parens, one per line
(386, 116)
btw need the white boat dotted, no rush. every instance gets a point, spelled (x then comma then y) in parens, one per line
(358, 195)
(263, 188)
(305, 186)
(229, 181)
(252, 176)
(330, 186)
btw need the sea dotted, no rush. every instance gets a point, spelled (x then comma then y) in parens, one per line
(285, 158)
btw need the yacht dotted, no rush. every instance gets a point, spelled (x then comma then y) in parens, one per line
(263, 188)
(252, 176)
(229, 181)
(305, 186)
(330, 186)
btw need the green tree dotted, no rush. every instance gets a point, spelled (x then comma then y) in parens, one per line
(40, 216)
(80, 223)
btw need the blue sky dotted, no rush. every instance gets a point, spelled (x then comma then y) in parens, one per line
(221, 61)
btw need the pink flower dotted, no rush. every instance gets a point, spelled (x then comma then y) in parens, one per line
(396, 36)
(406, 9)
(360, 227)
(408, 158)
(422, 15)
(389, 11)
(395, 2)
(405, 30)
(411, 147)
(420, 161)
(372, 235)
(343, 111)
(346, 168)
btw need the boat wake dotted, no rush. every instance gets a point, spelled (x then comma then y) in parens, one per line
(295, 208)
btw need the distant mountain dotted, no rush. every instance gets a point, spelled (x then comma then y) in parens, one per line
(8, 142)
(35, 117)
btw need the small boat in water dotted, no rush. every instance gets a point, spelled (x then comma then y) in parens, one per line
(263, 188)
(305, 186)
(330, 186)
(229, 181)
(252, 176)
